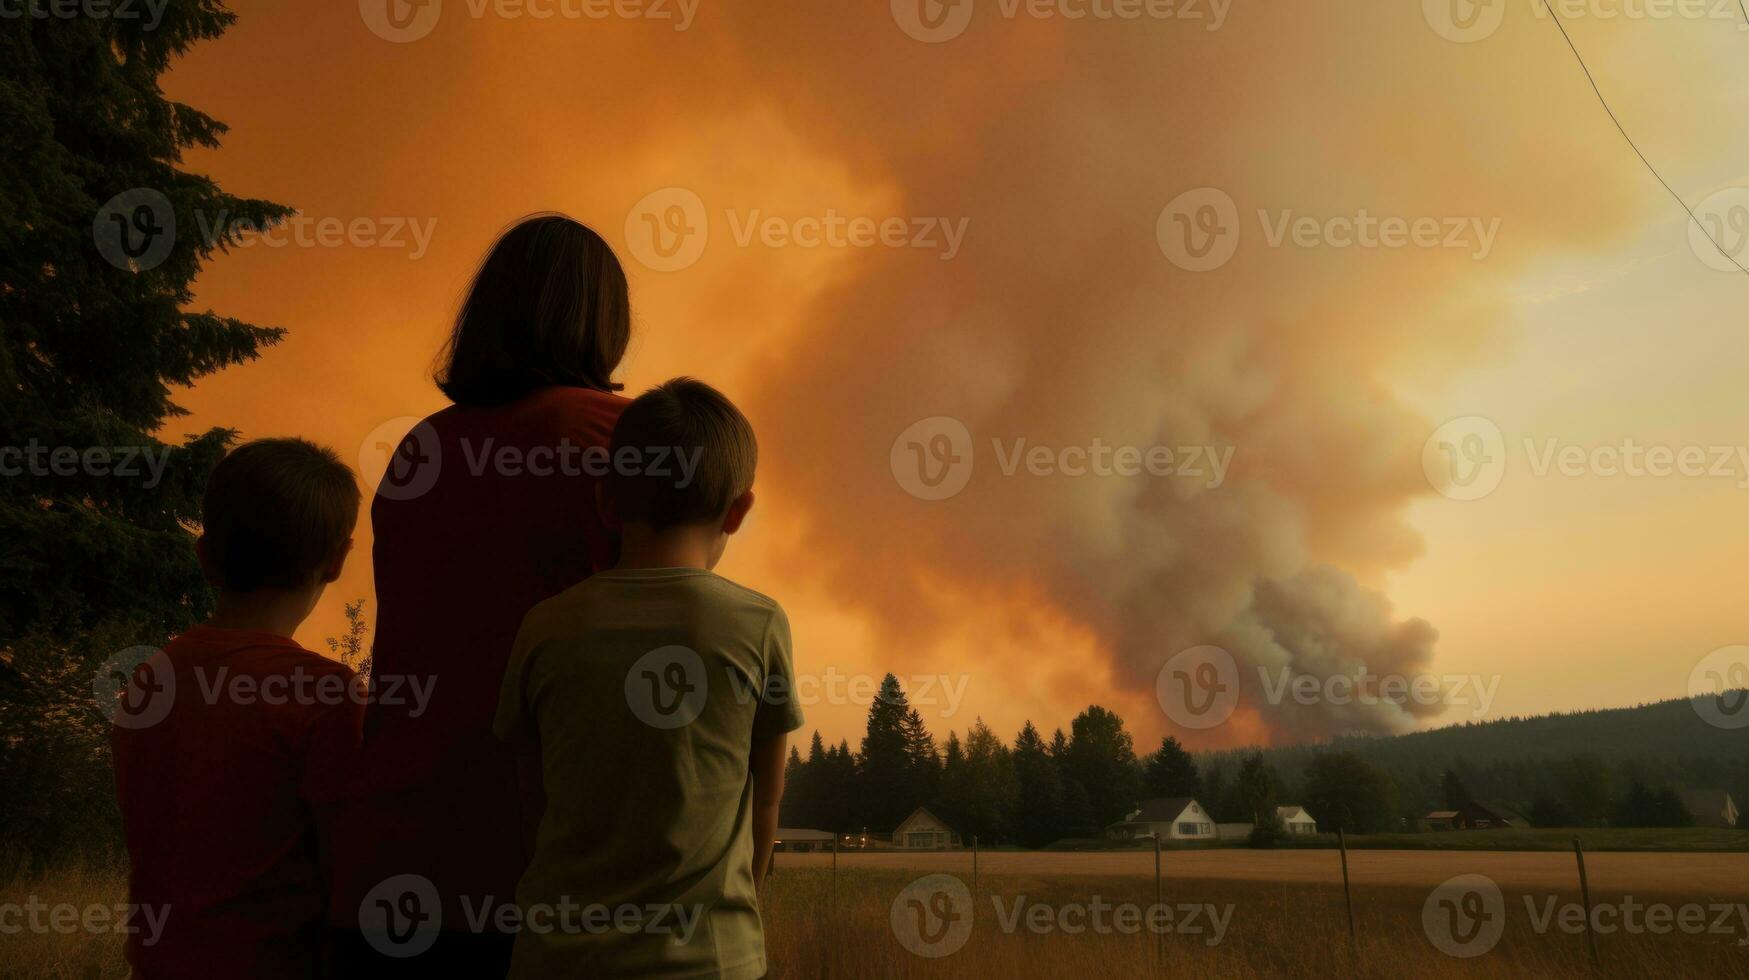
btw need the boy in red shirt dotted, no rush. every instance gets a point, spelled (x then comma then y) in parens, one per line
(225, 738)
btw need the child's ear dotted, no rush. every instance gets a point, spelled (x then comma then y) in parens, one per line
(604, 507)
(738, 509)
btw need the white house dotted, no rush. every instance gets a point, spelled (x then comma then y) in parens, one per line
(1171, 818)
(1296, 820)
(923, 830)
(796, 839)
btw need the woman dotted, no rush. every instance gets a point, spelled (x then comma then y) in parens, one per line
(488, 507)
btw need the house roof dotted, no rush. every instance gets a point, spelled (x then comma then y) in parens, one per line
(1442, 815)
(794, 833)
(922, 811)
(1291, 811)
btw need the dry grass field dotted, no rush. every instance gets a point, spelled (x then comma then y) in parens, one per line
(1287, 915)
(1282, 910)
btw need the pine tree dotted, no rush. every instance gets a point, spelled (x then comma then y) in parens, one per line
(101, 236)
(924, 758)
(888, 783)
(840, 793)
(1170, 771)
(1102, 758)
(1037, 815)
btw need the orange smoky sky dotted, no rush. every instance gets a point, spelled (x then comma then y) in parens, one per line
(1024, 293)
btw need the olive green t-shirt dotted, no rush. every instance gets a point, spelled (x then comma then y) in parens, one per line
(644, 690)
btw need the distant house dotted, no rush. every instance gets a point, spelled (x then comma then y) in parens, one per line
(1169, 818)
(1710, 807)
(792, 839)
(923, 830)
(1296, 820)
(1475, 816)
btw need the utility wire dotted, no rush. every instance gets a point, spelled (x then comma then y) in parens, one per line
(1624, 135)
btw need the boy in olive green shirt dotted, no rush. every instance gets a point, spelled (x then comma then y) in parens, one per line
(652, 704)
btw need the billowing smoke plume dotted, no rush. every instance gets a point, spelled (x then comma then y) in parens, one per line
(1061, 321)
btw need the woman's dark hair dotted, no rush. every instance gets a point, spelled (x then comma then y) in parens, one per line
(549, 306)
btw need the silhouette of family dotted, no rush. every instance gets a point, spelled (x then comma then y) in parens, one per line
(568, 756)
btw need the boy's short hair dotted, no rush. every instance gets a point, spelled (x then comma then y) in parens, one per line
(275, 512)
(679, 424)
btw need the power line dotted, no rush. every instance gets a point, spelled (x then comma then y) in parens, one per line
(1624, 135)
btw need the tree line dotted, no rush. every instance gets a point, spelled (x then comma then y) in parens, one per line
(1036, 790)
(1031, 792)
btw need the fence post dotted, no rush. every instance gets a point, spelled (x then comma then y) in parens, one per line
(974, 870)
(1347, 893)
(1159, 903)
(835, 874)
(1585, 897)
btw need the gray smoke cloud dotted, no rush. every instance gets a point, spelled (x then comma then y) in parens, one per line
(1062, 320)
